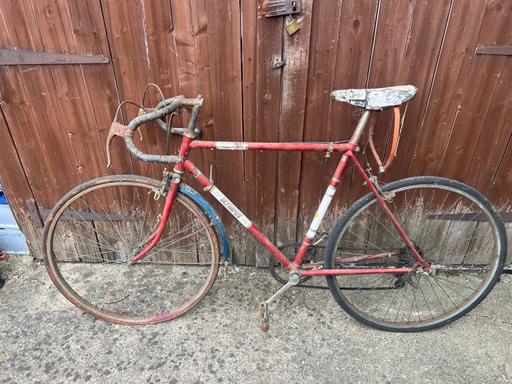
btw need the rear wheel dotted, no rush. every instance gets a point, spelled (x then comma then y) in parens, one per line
(97, 227)
(453, 227)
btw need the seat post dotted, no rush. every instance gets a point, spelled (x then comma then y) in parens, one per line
(360, 127)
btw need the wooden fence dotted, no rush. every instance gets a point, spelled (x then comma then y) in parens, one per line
(55, 118)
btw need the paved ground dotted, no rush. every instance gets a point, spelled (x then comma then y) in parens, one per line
(45, 339)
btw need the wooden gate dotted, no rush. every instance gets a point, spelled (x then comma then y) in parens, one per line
(55, 115)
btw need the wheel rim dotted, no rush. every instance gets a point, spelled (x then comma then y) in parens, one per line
(93, 233)
(450, 228)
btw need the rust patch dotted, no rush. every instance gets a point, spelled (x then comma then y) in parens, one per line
(116, 129)
(272, 8)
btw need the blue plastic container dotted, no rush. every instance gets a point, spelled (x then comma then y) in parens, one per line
(3, 200)
(12, 239)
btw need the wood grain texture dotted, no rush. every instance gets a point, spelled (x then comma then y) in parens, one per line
(56, 118)
(249, 18)
(140, 35)
(17, 189)
(261, 179)
(321, 72)
(31, 107)
(354, 50)
(444, 107)
(224, 46)
(291, 125)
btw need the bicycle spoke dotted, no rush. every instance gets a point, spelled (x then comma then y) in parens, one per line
(451, 231)
(91, 247)
(425, 298)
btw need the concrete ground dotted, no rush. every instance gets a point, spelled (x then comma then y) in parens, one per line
(44, 339)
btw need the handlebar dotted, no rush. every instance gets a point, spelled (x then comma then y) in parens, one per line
(162, 109)
(146, 118)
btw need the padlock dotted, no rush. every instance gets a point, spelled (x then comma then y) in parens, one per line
(292, 25)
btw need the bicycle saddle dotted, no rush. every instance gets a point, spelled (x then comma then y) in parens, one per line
(376, 99)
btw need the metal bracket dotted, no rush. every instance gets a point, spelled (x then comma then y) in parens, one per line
(278, 63)
(10, 56)
(273, 8)
(330, 150)
(503, 50)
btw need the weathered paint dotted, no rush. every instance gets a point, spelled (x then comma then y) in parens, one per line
(392, 217)
(169, 201)
(376, 99)
(320, 213)
(339, 272)
(236, 145)
(229, 145)
(238, 214)
(212, 215)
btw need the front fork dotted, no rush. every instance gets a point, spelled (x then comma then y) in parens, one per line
(156, 236)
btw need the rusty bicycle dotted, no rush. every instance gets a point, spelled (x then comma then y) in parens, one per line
(411, 255)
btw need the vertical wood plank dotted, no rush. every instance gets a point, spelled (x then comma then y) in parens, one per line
(72, 27)
(291, 125)
(419, 68)
(191, 25)
(268, 95)
(224, 44)
(442, 112)
(29, 104)
(325, 29)
(140, 35)
(351, 71)
(484, 110)
(17, 189)
(249, 17)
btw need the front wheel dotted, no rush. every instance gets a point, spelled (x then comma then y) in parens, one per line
(452, 226)
(96, 228)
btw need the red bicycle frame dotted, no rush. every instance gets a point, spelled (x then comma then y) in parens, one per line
(189, 143)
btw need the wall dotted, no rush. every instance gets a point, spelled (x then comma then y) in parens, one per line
(55, 118)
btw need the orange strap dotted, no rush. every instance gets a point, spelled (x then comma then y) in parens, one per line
(394, 143)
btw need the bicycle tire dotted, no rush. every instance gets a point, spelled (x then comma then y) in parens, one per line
(461, 274)
(129, 284)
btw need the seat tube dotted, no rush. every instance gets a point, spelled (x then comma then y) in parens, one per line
(329, 193)
(322, 209)
(360, 127)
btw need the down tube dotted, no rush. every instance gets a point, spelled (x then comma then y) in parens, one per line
(237, 214)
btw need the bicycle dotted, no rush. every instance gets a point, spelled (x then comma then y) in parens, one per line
(411, 255)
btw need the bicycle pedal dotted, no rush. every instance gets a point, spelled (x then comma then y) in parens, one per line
(264, 317)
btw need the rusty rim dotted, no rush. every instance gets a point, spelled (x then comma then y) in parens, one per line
(88, 307)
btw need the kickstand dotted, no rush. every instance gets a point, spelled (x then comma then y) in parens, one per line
(264, 310)
(225, 272)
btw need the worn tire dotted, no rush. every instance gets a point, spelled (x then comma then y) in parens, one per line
(498, 231)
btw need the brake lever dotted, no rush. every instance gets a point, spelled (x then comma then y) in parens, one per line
(116, 129)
